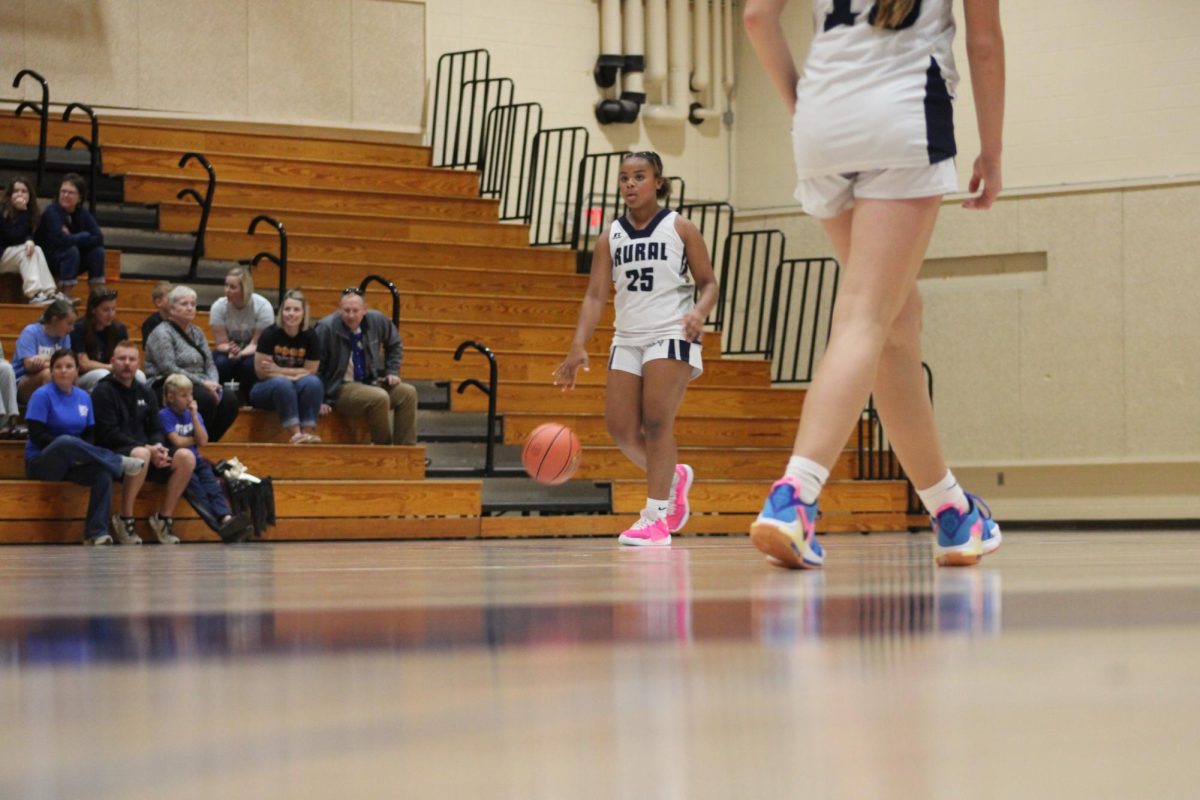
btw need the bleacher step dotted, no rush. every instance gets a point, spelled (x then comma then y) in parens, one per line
(504, 495)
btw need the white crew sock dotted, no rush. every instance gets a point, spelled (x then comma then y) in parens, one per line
(810, 474)
(655, 509)
(946, 491)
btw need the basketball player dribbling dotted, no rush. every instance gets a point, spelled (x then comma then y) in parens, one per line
(873, 137)
(648, 255)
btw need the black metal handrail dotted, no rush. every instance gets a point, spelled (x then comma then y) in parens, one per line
(596, 191)
(489, 464)
(801, 318)
(92, 145)
(205, 204)
(280, 261)
(391, 287)
(552, 184)
(715, 222)
(495, 92)
(676, 197)
(504, 172)
(43, 111)
(747, 272)
(447, 95)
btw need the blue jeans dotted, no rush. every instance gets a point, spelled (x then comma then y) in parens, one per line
(69, 458)
(204, 490)
(235, 369)
(66, 264)
(297, 402)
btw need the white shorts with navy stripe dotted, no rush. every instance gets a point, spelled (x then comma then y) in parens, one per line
(829, 195)
(629, 358)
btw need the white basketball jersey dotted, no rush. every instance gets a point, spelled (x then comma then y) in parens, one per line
(871, 98)
(651, 276)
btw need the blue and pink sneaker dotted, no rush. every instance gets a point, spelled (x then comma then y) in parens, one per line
(677, 510)
(786, 528)
(964, 539)
(952, 529)
(646, 532)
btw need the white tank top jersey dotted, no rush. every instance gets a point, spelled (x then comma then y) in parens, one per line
(875, 99)
(651, 276)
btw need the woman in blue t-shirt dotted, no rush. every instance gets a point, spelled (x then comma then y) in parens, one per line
(31, 363)
(59, 447)
(286, 363)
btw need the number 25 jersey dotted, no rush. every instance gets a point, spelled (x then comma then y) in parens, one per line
(651, 276)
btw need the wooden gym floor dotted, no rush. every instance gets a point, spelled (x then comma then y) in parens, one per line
(1068, 665)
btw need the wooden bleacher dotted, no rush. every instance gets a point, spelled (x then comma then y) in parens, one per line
(353, 208)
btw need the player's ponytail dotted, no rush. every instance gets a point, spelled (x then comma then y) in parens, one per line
(654, 160)
(889, 14)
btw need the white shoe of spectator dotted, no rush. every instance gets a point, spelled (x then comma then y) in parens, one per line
(164, 528)
(124, 530)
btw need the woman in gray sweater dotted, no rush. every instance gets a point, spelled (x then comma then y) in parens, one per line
(179, 346)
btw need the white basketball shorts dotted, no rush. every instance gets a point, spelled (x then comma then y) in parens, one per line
(630, 358)
(829, 195)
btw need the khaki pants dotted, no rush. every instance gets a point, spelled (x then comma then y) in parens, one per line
(391, 413)
(35, 274)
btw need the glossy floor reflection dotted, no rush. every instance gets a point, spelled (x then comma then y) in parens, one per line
(1065, 666)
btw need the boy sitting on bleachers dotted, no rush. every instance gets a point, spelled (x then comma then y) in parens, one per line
(184, 426)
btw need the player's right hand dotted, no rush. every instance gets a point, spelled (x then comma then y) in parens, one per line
(564, 376)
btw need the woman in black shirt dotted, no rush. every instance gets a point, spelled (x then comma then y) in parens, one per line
(286, 366)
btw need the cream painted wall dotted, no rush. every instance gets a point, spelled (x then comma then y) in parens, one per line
(548, 48)
(328, 62)
(1053, 375)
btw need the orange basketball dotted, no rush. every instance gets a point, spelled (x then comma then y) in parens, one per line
(551, 453)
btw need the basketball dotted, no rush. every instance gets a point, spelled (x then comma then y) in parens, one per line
(551, 453)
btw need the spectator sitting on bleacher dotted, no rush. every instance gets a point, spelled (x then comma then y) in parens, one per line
(237, 321)
(95, 337)
(178, 345)
(70, 236)
(184, 425)
(361, 353)
(10, 412)
(37, 342)
(158, 296)
(19, 218)
(59, 447)
(288, 356)
(127, 423)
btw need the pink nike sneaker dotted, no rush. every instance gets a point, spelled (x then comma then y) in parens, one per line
(647, 532)
(677, 511)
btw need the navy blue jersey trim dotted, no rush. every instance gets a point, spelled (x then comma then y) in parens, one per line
(671, 349)
(647, 231)
(685, 350)
(939, 115)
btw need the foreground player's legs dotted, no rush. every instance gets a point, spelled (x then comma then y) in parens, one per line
(887, 243)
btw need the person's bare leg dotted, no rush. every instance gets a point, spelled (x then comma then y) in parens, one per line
(663, 383)
(901, 393)
(623, 414)
(183, 462)
(132, 484)
(888, 240)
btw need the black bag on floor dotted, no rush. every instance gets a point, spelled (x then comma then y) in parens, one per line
(256, 499)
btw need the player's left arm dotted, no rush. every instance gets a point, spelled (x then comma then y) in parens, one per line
(702, 272)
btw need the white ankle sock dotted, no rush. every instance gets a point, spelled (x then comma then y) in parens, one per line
(655, 509)
(812, 477)
(946, 491)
